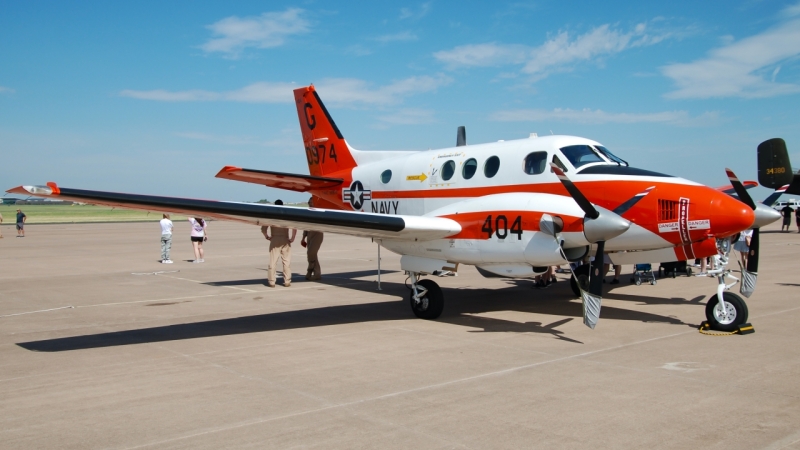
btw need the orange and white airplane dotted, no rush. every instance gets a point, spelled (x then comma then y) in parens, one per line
(511, 208)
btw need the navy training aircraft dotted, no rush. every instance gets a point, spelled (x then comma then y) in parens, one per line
(511, 208)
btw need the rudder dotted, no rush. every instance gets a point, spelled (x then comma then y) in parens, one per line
(326, 150)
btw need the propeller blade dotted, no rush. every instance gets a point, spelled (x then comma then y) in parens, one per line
(596, 275)
(623, 208)
(752, 259)
(575, 193)
(741, 192)
(461, 137)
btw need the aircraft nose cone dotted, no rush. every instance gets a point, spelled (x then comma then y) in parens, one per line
(765, 215)
(729, 215)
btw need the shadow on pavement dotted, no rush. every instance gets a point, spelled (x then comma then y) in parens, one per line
(463, 307)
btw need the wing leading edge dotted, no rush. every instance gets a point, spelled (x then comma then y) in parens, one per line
(343, 222)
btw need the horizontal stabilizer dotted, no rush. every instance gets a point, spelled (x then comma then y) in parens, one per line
(288, 181)
(353, 223)
(731, 191)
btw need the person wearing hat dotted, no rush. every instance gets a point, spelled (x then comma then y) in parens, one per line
(21, 218)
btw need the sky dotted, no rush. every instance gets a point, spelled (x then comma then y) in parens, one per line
(155, 97)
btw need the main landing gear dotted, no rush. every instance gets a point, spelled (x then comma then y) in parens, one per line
(427, 299)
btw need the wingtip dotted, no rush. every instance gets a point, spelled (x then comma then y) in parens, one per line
(40, 191)
(226, 170)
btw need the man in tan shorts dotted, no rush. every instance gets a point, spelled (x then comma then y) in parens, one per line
(280, 246)
(314, 240)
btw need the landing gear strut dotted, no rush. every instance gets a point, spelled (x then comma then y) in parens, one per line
(427, 299)
(731, 312)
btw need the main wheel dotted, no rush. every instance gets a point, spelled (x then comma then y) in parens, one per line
(735, 312)
(582, 274)
(431, 305)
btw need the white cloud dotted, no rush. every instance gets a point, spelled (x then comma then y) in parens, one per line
(598, 116)
(236, 140)
(233, 34)
(255, 93)
(741, 68)
(409, 116)
(353, 91)
(6, 90)
(483, 55)
(558, 54)
(404, 36)
(408, 13)
(342, 91)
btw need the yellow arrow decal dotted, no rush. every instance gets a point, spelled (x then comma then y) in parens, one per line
(421, 177)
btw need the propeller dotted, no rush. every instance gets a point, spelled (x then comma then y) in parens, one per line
(763, 215)
(599, 225)
(461, 137)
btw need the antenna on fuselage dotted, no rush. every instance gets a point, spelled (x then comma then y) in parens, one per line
(461, 136)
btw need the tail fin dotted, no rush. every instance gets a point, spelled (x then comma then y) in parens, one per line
(326, 150)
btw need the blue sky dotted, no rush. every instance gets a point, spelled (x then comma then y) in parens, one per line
(155, 97)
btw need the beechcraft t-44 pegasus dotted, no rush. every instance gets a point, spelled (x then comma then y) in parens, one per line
(510, 208)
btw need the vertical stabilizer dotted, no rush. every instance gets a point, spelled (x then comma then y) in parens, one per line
(326, 150)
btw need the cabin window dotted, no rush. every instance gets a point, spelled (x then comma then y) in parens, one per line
(470, 167)
(448, 169)
(580, 155)
(386, 176)
(491, 166)
(535, 163)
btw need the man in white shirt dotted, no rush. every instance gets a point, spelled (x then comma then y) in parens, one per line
(166, 239)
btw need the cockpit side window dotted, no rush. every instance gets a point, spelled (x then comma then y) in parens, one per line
(535, 163)
(580, 155)
(611, 156)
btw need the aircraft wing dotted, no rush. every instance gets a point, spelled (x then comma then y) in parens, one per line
(280, 180)
(343, 222)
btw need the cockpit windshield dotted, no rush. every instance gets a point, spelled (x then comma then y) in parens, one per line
(580, 155)
(611, 156)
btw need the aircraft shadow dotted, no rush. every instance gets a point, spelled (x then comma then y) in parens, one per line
(332, 279)
(464, 307)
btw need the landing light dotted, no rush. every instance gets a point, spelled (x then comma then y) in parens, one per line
(39, 190)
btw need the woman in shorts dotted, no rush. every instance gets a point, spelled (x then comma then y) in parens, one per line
(199, 235)
(742, 245)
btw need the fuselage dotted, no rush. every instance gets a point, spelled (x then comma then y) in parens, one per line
(513, 178)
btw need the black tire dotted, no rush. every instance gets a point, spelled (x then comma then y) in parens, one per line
(582, 274)
(435, 301)
(734, 319)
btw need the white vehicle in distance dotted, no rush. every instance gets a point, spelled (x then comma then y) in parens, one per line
(793, 203)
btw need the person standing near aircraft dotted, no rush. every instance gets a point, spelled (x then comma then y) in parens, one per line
(280, 246)
(742, 245)
(199, 235)
(787, 217)
(1, 221)
(21, 218)
(166, 239)
(796, 219)
(313, 241)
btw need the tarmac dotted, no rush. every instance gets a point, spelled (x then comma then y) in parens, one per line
(101, 346)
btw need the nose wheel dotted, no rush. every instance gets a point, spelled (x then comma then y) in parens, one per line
(727, 318)
(427, 299)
